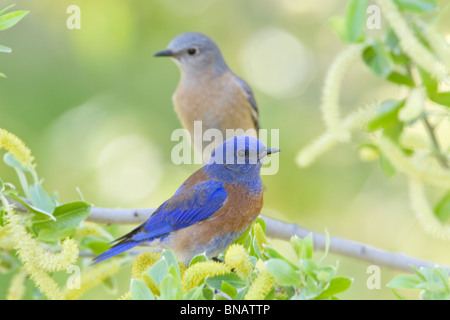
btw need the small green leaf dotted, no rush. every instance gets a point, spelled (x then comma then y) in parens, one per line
(378, 60)
(337, 24)
(404, 282)
(442, 209)
(194, 294)
(230, 278)
(47, 235)
(198, 258)
(8, 20)
(40, 198)
(35, 210)
(6, 9)
(355, 20)
(158, 271)
(2, 186)
(170, 288)
(442, 98)
(387, 168)
(171, 260)
(140, 291)
(283, 272)
(417, 6)
(228, 289)
(336, 285)
(387, 115)
(399, 78)
(67, 215)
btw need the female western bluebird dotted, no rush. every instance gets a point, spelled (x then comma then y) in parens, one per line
(211, 208)
(208, 90)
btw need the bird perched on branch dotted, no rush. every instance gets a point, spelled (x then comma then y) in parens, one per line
(211, 209)
(208, 90)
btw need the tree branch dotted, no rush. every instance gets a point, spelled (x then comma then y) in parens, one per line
(281, 230)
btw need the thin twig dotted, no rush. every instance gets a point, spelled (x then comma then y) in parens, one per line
(440, 157)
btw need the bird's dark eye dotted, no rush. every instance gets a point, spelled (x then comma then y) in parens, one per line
(192, 51)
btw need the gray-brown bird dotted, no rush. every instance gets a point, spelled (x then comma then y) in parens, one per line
(208, 91)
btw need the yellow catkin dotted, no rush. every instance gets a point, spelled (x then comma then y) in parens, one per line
(424, 213)
(238, 259)
(143, 262)
(17, 147)
(31, 251)
(92, 278)
(331, 90)
(432, 176)
(409, 43)
(438, 43)
(35, 259)
(140, 267)
(260, 236)
(261, 286)
(328, 140)
(414, 105)
(126, 296)
(16, 289)
(199, 271)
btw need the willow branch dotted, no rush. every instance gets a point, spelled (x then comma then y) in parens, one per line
(277, 229)
(284, 231)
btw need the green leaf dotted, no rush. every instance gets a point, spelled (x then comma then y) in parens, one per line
(336, 285)
(442, 98)
(6, 9)
(8, 20)
(158, 271)
(11, 161)
(170, 288)
(378, 60)
(228, 289)
(337, 24)
(404, 282)
(442, 209)
(35, 210)
(198, 258)
(417, 6)
(355, 20)
(386, 116)
(171, 260)
(48, 235)
(40, 198)
(400, 78)
(194, 294)
(283, 272)
(67, 215)
(387, 168)
(230, 278)
(5, 49)
(2, 186)
(140, 291)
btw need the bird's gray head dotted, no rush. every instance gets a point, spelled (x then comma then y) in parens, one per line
(195, 52)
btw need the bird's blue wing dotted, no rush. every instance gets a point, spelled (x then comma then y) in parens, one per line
(188, 206)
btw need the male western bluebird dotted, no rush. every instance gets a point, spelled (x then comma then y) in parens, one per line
(212, 207)
(208, 90)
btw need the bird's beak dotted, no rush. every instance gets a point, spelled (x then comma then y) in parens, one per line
(272, 150)
(164, 53)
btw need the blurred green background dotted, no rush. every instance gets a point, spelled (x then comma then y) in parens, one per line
(95, 108)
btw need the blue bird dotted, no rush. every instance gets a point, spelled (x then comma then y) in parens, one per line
(210, 210)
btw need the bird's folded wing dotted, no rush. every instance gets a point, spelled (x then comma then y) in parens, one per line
(188, 206)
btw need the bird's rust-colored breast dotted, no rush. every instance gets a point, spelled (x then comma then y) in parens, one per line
(219, 101)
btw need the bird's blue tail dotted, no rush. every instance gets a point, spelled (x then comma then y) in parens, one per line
(117, 249)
